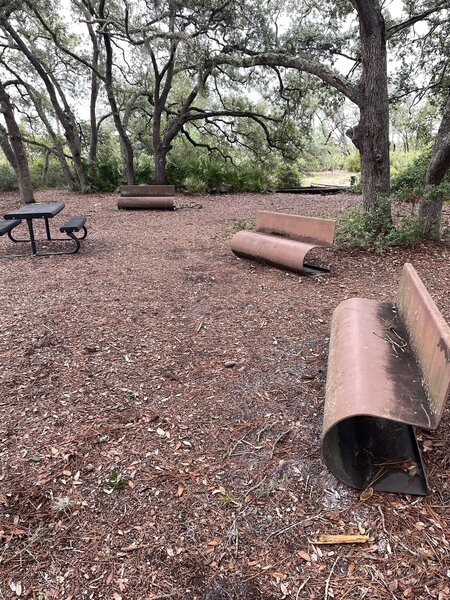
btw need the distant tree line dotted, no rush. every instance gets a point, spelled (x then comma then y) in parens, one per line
(219, 74)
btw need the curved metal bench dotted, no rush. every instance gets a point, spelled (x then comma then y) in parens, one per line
(147, 197)
(284, 240)
(388, 372)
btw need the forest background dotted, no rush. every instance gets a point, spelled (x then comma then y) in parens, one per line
(221, 96)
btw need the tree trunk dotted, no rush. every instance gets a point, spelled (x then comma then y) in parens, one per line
(45, 168)
(58, 147)
(125, 143)
(371, 136)
(160, 164)
(64, 115)
(430, 209)
(6, 147)
(93, 119)
(94, 90)
(23, 173)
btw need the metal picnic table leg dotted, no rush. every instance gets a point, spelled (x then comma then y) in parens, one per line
(32, 240)
(47, 228)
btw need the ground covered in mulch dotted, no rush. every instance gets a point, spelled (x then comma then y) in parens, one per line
(161, 409)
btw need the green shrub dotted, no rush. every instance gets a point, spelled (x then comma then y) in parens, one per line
(398, 161)
(106, 174)
(243, 225)
(353, 162)
(144, 169)
(357, 228)
(8, 179)
(408, 184)
(195, 186)
(208, 174)
(355, 184)
(254, 180)
(53, 178)
(287, 175)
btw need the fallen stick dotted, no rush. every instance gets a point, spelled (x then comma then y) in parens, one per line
(341, 539)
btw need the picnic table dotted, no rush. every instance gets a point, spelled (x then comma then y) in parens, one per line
(30, 213)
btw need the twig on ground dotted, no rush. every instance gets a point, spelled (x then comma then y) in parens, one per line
(301, 587)
(279, 439)
(280, 531)
(327, 583)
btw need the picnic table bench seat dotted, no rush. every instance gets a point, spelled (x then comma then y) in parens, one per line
(388, 372)
(7, 226)
(72, 226)
(160, 197)
(284, 240)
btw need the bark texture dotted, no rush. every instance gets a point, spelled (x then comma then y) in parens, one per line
(15, 137)
(371, 136)
(64, 113)
(430, 208)
(6, 147)
(126, 146)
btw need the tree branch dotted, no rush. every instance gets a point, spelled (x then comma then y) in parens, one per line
(394, 29)
(300, 63)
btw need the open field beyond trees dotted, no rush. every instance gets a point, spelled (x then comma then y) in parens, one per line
(160, 417)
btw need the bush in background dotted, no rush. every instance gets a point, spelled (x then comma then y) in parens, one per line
(287, 175)
(106, 174)
(51, 178)
(8, 179)
(208, 174)
(144, 169)
(399, 161)
(353, 162)
(357, 228)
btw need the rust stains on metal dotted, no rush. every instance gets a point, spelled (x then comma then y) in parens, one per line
(429, 335)
(148, 190)
(284, 240)
(387, 373)
(147, 196)
(161, 202)
(307, 229)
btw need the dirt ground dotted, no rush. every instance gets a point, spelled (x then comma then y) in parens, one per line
(161, 408)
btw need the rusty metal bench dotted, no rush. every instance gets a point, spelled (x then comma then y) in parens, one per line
(147, 197)
(284, 240)
(388, 372)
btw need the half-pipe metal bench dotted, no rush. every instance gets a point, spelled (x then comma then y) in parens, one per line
(388, 372)
(284, 240)
(147, 197)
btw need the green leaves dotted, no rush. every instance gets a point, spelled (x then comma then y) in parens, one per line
(115, 482)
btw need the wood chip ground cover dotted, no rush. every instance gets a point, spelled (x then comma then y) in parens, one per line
(161, 405)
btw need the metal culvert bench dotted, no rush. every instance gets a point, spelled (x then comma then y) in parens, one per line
(388, 372)
(284, 240)
(147, 197)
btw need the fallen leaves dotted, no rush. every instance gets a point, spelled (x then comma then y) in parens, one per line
(165, 418)
(366, 494)
(214, 542)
